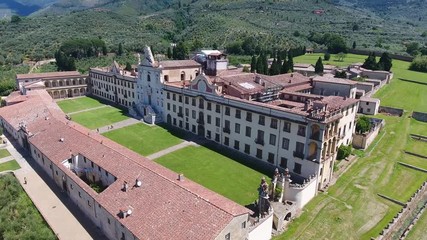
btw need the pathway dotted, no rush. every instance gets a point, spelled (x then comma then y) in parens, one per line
(118, 125)
(171, 149)
(89, 109)
(39, 63)
(6, 159)
(64, 218)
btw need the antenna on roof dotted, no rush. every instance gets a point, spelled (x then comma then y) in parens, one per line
(125, 186)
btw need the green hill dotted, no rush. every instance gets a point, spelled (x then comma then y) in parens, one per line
(275, 23)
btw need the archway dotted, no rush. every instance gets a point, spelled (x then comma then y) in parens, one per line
(201, 130)
(288, 216)
(315, 132)
(182, 76)
(312, 151)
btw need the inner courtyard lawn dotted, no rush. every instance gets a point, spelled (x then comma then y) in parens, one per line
(144, 139)
(99, 117)
(216, 172)
(4, 153)
(78, 104)
(351, 209)
(9, 165)
(417, 146)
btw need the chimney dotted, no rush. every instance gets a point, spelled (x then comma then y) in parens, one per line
(125, 186)
(181, 177)
(292, 75)
(138, 183)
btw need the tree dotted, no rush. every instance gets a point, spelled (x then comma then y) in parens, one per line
(327, 56)
(385, 62)
(15, 19)
(319, 66)
(335, 43)
(104, 50)
(259, 65)
(355, 27)
(169, 54)
(340, 74)
(181, 51)
(197, 44)
(370, 62)
(419, 64)
(285, 66)
(128, 67)
(354, 45)
(290, 62)
(412, 48)
(343, 152)
(174, 53)
(246, 69)
(215, 46)
(363, 124)
(253, 64)
(341, 56)
(64, 62)
(120, 51)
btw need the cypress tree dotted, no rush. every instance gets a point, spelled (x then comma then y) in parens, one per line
(354, 45)
(385, 62)
(253, 64)
(259, 65)
(174, 53)
(285, 67)
(319, 66)
(265, 65)
(120, 51)
(290, 62)
(169, 52)
(272, 67)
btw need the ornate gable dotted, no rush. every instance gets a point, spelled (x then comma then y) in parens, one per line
(202, 85)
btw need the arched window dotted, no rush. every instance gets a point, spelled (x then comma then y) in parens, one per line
(148, 78)
(182, 76)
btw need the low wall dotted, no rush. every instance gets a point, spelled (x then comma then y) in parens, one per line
(362, 141)
(391, 111)
(420, 116)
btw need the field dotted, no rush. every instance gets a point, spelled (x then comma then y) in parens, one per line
(9, 165)
(419, 230)
(312, 59)
(4, 153)
(351, 208)
(78, 104)
(144, 139)
(216, 172)
(18, 216)
(99, 117)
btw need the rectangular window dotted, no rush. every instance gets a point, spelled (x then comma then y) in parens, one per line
(249, 116)
(247, 149)
(273, 123)
(174, 97)
(260, 135)
(237, 128)
(218, 108)
(217, 122)
(216, 137)
(299, 150)
(209, 106)
(248, 132)
(238, 113)
(168, 95)
(261, 120)
(187, 112)
(227, 111)
(168, 106)
(180, 98)
(272, 139)
(193, 128)
(193, 114)
(236, 145)
(226, 141)
(186, 100)
(174, 108)
(259, 153)
(244, 224)
(301, 131)
(283, 162)
(209, 119)
(270, 158)
(285, 143)
(297, 168)
(193, 101)
(208, 134)
(287, 127)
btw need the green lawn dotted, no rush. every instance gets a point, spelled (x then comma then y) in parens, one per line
(4, 153)
(216, 172)
(415, 161)
(10, 165)
(312, 59)
(19, 218)
(417, 146)
(144, 139)
(78, 104)
(408, 85)
(351, 208)
(419, 230)
(99, 117)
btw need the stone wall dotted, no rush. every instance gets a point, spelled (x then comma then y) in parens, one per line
(362, 141)
(391, 111)
(398, 221)
(420, 116)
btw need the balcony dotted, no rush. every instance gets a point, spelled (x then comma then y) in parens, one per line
(226, 130)
(299, 155)
(259, 141)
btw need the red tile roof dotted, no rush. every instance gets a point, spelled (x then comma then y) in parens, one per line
(164, 208)
(178, 64)
(48, 75)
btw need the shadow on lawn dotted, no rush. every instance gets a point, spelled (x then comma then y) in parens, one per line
(412, 81)
(251, 162)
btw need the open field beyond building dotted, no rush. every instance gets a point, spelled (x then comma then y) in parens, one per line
(9, 166)
(4, 153)
(19, 218)
(351, 209)
(78, 104)
(144, 139)
(417, 146)
(407, 90)
(99, 117)
(419, 230)
(216, 172)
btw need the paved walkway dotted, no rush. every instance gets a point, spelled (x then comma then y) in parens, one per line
(171, 149)
(118, 125)
(64, 218)
(6, 159)
(89, 109)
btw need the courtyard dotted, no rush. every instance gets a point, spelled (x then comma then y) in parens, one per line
(78, 104)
